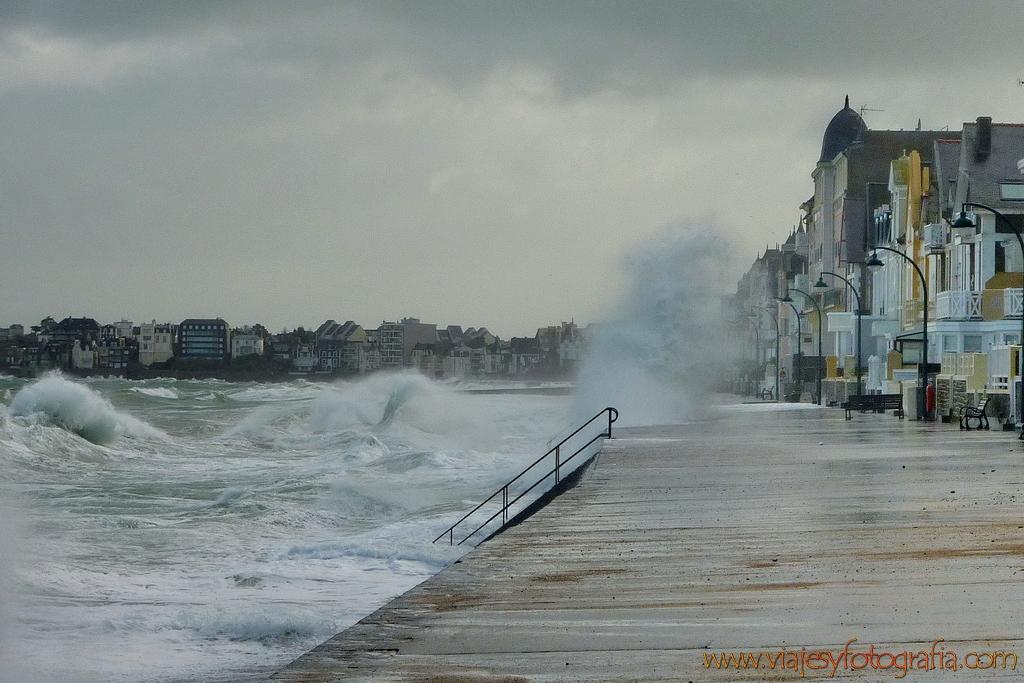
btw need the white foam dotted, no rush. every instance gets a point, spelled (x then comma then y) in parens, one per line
(157, 392)
(260, 529)
(79, 409)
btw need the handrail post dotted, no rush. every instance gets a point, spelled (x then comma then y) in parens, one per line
(557, 462)
(610, 420)
(504, 504)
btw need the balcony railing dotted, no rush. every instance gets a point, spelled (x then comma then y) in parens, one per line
(960, 305)
(1013, 302)
(912, 310)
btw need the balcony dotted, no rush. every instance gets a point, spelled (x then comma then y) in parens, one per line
(961, 305)
(1013, 298)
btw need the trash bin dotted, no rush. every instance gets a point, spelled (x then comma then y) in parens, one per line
(910, 395)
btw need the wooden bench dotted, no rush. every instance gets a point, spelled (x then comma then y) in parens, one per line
(878, 403)
(968, 413)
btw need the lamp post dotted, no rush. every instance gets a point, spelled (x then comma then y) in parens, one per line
(964, 222)
(874, 263)
(778, 345)
(820, 322)
(757, 341)
(799, 343)
(821, 284)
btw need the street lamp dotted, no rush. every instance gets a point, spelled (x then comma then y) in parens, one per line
(757, 343)
(875, 263)
(778, 345)
(799, 343)
(964, 222)
(821, 284)
(820, 323)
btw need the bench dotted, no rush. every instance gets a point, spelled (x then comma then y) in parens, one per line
(968, 413)
(878, 403)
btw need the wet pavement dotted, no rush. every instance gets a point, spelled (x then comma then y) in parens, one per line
(781, 534)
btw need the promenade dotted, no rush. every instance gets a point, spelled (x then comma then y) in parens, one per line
(757, 530)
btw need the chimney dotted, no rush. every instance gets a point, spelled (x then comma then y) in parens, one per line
(983, 141)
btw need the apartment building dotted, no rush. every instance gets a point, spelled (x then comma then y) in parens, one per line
(205, 339)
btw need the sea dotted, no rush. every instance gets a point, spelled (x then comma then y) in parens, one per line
(206, 531)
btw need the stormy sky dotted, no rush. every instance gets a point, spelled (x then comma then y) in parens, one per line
(479, 163)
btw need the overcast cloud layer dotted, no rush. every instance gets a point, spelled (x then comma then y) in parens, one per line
(477, 163)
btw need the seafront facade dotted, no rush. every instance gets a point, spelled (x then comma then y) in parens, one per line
(904, 272)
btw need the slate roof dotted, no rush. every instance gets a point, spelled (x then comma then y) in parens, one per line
(867, 178)
(947, 163)
(204, 321)
(336, 331)
(979, 175)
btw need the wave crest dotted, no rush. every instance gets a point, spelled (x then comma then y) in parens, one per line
(78, 409)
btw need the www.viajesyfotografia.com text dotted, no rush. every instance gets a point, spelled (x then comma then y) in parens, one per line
(816, 662)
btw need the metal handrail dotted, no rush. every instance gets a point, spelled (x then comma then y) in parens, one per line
(613, 415)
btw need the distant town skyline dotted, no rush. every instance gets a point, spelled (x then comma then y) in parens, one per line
(309, 327)
(482, 163)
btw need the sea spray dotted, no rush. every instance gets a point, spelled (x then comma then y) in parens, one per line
(657, 358)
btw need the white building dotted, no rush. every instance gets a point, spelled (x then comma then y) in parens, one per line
(156, 342)
(246, 345)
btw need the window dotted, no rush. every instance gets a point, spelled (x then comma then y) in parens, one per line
(1010, 191)
(1011, 338)
(949, 343)
(972, 343)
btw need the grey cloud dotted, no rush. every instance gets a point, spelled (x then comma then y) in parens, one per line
(586, 45)
(395, 154)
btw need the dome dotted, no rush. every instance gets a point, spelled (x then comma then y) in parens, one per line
(845, 128)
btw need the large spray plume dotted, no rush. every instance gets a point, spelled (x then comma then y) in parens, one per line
(658, 358)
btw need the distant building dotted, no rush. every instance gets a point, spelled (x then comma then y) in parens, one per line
(304, 360)
(246, 345)
(117, 354)
(281, 349)
(525, 355)
(71, 330)
(560, 348)
(155, 341)
(122, 329)
(84, 356)
(204, 339)
(11, 333)
(344, 347)
(397, 341)
(429, 359)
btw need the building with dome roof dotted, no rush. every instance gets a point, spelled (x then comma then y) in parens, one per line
(846, 128)
(851, 181)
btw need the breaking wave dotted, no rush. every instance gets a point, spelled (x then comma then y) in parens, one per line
(78, 409)
(271, 517)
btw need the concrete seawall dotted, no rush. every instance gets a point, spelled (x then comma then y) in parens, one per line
(761, 531)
